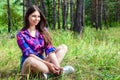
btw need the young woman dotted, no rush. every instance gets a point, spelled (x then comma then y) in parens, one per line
(34, 40)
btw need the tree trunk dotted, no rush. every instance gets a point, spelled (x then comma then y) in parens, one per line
(36, 2)
(93, 13)
(28, 3)
(83, 13)
(64, 14)
(104, 14)
(78, 24)
(9, 24)
(96, 9)
(100, 8)
(43, 7)
(117, 10)
(67, 10)
(71, 15)
(54, 14)
(58, 14)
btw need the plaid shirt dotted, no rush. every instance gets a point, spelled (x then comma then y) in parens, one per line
(32, 45)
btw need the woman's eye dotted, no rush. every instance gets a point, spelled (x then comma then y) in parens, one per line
(35, 16)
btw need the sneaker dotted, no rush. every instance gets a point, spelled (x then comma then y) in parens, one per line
(45, 76)
(68, 70)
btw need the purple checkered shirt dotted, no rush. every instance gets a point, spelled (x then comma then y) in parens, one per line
(32, 45)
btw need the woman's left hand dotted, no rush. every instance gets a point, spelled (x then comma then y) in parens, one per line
(59, 71)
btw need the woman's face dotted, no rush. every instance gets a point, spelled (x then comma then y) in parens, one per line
(34, 18)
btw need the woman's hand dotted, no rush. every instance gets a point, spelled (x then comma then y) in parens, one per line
(54, 69)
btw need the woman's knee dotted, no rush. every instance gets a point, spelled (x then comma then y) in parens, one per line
(29, 59)
(26, 65)
(29, 62)
(64, 47)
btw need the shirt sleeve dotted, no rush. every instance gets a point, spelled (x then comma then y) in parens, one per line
(26, 50)
(48, 49)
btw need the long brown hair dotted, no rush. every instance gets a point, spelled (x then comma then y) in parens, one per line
(41, 26)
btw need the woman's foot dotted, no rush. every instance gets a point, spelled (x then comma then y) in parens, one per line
(68, 70)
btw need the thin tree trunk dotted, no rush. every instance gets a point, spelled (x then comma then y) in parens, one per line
(83, 13)
(67, 10)
(36, 2)
(64, 14)
(93, 13)
(100, 7)
(117, 11)
(104, 14)
(58, 14)
(71, 15)
(54, 14)
(43, 8)
(9, 24)
(27, 3)
(96, 15)
(110, 18)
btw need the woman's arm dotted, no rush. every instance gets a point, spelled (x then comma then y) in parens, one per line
(25, 48)
(53, 59)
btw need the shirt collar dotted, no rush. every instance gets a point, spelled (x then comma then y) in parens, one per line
(27, 32)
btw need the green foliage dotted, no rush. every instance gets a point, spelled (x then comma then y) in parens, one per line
(112, 12)
(15, 17)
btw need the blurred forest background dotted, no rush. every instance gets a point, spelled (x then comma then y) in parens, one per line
(64, 14)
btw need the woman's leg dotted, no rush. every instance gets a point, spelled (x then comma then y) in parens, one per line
(32, 64)
(60, 52)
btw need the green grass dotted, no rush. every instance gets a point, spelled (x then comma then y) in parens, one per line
(94, 55)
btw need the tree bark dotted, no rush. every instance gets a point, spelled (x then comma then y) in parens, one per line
(93, 13)
(43, 7)
(9, 24)
(78, 24)
(54, 14)
(104, 14)
(117, 10)
(83, 13)
(100, 8)
(71, 15)
(96, 10)
(64, 4)
(58, 14)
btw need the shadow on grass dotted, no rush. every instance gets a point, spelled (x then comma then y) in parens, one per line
(9, 73)
(14, 74)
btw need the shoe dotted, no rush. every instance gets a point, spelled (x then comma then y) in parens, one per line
(68, 70)
(45, 76)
